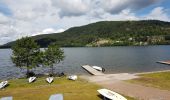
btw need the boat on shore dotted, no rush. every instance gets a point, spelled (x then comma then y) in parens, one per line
(3, 84)
(31, 79)
(72, 77)
(111, 95)
(56, 97)
(49, 79)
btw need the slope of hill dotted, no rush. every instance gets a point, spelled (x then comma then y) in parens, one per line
(109, 33)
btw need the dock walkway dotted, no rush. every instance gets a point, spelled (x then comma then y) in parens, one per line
(92, 70)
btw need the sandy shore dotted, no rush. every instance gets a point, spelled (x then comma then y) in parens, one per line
(107, 77)
(116, 77)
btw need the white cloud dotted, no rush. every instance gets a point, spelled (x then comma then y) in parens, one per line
(48, 31)
(32, 17)
(158, 13)
(4, 19)
(71, 7)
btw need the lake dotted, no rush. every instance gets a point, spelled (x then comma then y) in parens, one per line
(118, 59)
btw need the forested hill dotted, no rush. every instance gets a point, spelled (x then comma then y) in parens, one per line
(109, 33)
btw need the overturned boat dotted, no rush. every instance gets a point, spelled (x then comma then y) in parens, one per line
(3, 84)
(31, 79)
(49, 79)
(72, 77)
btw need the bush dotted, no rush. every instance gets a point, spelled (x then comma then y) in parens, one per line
(30, 74)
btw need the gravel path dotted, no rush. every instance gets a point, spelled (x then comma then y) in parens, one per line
(115, 82)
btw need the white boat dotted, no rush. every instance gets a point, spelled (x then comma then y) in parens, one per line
(72, 77)
(3, 84)
(6, 98)
(98, 68)
(56, 97)
(111, 95)
(49, 79)
(31, 79)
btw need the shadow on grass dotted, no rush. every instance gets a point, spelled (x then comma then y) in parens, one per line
(102, 97)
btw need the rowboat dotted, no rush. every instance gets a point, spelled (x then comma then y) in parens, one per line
(56, 97)
(3, 84)
(72, 77)
(31, 79)
(49, 79)
(111, 95)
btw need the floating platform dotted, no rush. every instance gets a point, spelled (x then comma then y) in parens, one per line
(164, 62)
(92, 70)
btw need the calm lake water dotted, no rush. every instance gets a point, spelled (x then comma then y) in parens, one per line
(114, 59)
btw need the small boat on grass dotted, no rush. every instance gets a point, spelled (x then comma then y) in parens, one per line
(49, 79)
(31, 79)
(56, 97)
(72, 77)
(111, 95)
(6, 98)
(3, 84)
(98, 68)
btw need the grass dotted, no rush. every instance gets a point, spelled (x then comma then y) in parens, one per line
(20, 89)
(159, 80)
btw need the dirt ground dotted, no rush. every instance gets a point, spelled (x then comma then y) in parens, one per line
(115, 82)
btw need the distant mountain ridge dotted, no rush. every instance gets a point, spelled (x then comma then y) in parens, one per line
(109, 33)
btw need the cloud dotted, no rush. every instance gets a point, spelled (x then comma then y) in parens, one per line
(71, 7)
(158, 13)
(4, 19)
(20, 18)
(28, 17)
(48, 31)
(116, 6)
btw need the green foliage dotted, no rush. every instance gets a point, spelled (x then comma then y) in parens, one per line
(26, 53)
(114, 30)
(53, 55)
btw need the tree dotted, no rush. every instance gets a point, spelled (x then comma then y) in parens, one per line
(53, 55)
(26, 53)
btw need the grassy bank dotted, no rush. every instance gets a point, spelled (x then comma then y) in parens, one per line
(158, 80)
(20, 89)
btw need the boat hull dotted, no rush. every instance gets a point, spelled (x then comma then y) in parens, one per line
(31, 79)
(111, 95)
(3, 84)
(72, 77)
(49, 79)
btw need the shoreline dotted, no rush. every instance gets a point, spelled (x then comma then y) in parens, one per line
(89, 75)
(116, 77)
(151, 72)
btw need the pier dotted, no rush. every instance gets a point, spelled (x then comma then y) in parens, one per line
(164, 62)
(92, 70)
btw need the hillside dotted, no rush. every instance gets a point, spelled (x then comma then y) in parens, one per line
(109, 33)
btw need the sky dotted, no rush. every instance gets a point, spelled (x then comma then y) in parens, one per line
(19, 18)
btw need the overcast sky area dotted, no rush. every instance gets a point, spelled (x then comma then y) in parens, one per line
(20, 18)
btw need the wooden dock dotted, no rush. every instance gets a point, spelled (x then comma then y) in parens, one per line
(92, 70)
(164, 62)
